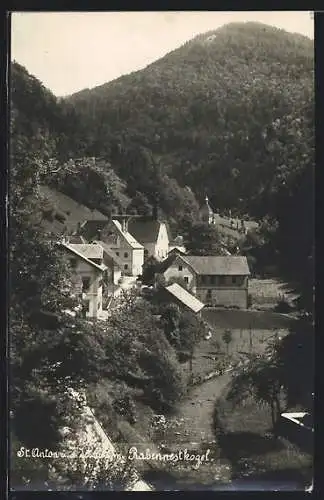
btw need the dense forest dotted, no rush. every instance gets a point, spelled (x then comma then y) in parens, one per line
(230, 114)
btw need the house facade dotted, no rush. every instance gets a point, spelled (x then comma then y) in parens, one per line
(177, 245)
(113, 262)
(215, 281)
(88, 274)
(127, 249)
(153, 235)
(179, 268)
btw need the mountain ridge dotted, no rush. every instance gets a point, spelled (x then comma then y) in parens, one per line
(222, 118)
(264, 28)
(188, 109)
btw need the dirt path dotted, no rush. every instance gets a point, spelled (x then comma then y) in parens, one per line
(191, 429)
(197, 411)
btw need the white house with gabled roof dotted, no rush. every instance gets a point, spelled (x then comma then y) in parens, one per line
(128, 250)
(86, 261)
(153, 234)
(215, 280)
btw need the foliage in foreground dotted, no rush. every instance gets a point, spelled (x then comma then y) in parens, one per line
(281, 378)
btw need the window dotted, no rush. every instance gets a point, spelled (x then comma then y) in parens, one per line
(73, 263)
(208, 297)
(203, 279)
(85, 284)
(186, 279)
(126, 255)
(126, 266)
(180, 268)
(222, 280)
(117, 253)
(234, 280)
(213, 280)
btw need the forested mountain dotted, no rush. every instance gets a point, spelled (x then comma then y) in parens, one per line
(230, 113)
(216, 114)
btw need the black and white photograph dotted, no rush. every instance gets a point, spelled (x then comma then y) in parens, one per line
(161, 251)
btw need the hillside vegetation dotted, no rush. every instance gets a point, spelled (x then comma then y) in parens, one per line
(216, 114)
(229, 113)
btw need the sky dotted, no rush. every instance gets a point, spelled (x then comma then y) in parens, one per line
(70, 51)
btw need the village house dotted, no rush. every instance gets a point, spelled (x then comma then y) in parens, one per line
(177, 245)
(86, 262)
(216, 281)
(124, 248)
(113, 263)
(176, 294)
(153, 234)
(131, 253)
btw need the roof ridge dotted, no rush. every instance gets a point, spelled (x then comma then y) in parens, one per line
(110, 251)
(126, 233)
(101, 267)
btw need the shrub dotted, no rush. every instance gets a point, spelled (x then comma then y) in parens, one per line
(101, 402)
(249, 301)
(167, 384)
(125, 406)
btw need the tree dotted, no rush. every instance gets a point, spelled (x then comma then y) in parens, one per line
(203, 239)
(167, 385)
(170, 321)
(282, 376)
(150, 268)
(259, 379)
(183, 330)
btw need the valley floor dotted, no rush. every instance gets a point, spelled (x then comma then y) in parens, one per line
(193, 427)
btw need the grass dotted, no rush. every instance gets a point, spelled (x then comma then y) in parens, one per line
(244, 448)
(244, 437)
(266, 293)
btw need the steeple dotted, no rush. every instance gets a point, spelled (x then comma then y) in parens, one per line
(206, 212)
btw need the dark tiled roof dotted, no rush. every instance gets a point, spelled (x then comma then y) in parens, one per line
(222, 266)
(144, 231)
(127, 235)
(69, 212)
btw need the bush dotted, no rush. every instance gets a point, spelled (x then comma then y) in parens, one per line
(167, 385)
(182, 329)
(125, 407)
(101, 402)
(249, 301)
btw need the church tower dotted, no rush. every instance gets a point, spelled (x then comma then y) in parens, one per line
(207, 214)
